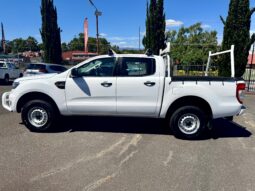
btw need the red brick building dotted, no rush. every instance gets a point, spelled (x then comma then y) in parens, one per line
(77, 56)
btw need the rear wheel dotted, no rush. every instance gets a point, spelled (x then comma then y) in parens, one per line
(38, 115)
(188, 122)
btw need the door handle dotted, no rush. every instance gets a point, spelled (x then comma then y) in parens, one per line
(150, 84)
(106, 84)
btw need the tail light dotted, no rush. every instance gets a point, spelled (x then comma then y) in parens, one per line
(240, 88)
(42, 70)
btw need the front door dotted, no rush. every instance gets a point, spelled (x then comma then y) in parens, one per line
(93, 92)
(137, 87)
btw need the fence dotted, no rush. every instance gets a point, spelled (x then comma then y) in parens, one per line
(194, 70)
(249, 77)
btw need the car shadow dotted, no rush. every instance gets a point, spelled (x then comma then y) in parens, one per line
(222, 128)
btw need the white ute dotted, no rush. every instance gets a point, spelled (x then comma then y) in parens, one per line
(126, 85)
(9, 71)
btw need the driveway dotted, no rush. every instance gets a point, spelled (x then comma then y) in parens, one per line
(97, 153)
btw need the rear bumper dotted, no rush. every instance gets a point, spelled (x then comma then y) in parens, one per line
(6, 102)
(242, 111)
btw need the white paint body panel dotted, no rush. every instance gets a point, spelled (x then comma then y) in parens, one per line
(86, 96)
(13, 73)
(128, 96)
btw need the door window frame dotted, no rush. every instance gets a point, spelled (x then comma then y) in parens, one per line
(120, 64)
(115, 73)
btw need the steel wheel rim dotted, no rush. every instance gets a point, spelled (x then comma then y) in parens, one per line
(189, 124)
(38, 117)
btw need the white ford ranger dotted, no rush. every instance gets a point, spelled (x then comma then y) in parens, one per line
(126, 85)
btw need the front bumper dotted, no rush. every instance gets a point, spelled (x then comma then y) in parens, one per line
(6, 102)
(243, 109)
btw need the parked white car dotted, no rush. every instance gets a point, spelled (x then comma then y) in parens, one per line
(9, 71)
(126, 85)
(42, 68)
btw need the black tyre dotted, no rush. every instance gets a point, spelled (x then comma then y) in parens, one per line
(20, 75)
(39, 115)
(231, 118)
(6, 79)
(188, 122)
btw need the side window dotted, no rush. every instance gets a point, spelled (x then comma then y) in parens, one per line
(98, 68)
(137, 67)
(58, 68)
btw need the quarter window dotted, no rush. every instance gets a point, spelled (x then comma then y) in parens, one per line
(137, 67)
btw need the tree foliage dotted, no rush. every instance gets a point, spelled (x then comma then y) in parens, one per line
(77, 43)
(155, 26)
(50, 33)
(237, 32)
(191, 45)
(22, 45)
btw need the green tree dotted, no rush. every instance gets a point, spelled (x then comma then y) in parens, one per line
(64, 47)
(50, 33)
(161, 26)
(32, 44)
(155, 26)
(237, 32)
(77, 43)
(18, 45)
(190, 46)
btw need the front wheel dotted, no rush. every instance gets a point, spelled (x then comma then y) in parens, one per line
(38, 115)
(188, 122)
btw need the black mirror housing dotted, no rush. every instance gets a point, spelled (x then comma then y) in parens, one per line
(75, 73)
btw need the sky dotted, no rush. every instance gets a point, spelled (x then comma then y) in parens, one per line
(119, 23)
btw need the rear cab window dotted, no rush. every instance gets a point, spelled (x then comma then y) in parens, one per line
(137, 67)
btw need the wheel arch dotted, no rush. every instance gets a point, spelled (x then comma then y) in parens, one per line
(191, 101)
(35, 96)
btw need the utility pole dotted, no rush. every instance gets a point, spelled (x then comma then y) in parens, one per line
(97, 14)
(139, 38)
(3, 39)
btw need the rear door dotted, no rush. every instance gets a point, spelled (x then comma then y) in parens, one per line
(137, 87)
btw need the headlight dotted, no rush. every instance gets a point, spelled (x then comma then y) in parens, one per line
(15, 85)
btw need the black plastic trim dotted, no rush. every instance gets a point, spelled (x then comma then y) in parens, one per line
(204, 79)
(61, 85)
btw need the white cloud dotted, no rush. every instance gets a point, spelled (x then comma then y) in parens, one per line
(205, 26)
(173, 23)
(103, 34)
(143, 33)
(125, 42)
(115, 38)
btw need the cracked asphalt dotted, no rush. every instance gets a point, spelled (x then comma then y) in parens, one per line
(99, 153)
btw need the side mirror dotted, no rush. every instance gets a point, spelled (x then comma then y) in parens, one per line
(74, 73)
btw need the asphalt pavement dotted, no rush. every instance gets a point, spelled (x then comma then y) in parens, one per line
(100, 153)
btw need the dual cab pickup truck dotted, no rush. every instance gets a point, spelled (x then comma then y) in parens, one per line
(9, 71)
(126, 85)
